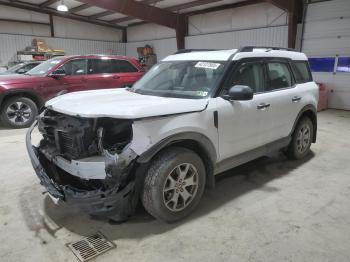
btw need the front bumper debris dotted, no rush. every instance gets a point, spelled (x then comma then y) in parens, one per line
(115, 202)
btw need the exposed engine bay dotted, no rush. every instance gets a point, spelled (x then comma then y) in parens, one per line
(88, 163)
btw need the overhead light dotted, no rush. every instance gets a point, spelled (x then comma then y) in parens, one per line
(62, 7)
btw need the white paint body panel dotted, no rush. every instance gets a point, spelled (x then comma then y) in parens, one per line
(123, 104)
(241, 125)
(149, 132)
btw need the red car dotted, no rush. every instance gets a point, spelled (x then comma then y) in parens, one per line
(22, 95)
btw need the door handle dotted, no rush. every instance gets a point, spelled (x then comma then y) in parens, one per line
(116, 77)
(296, 99)
(83, 79)
(263, 106)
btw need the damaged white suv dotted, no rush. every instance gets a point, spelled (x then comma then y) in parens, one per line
(192, 116)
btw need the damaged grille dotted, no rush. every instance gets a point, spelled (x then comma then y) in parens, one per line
(73, 137)
(91, 247)
(66, 142)
(76, 137)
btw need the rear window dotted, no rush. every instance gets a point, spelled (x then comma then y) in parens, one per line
(110, 66)
(302, 72)
(123, 66)
(279, 75)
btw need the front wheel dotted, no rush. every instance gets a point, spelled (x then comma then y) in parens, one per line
(18, 112)
(301, 139)
(174, 184)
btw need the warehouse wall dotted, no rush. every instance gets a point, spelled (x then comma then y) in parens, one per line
(327, 36)
(62, 27)
(10, 44)
(73, 36)
(260, 24)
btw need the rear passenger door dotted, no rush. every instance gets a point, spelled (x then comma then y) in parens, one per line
(126, 72)
(283, 97)
(101, 75)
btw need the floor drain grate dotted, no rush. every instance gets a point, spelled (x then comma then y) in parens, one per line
(91, 246)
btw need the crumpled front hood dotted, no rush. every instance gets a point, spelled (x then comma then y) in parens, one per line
(123, 104)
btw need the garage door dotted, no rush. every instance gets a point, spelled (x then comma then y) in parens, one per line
(327, 43)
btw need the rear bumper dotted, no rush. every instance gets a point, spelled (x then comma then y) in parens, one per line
(115, 203)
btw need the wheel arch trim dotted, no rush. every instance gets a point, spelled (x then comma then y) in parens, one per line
(308, 108)
(206, 147)
(22, 92)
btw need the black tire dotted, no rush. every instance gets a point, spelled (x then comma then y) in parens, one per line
(15, 117)
(296, 150)
(157, 176)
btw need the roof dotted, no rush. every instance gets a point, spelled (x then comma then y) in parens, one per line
(235, 54)
(97, 56)
(92, 12)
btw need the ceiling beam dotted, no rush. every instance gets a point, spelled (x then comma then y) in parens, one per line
(174, 8)
(213, 9)
(224, 7)
(179, 7)
(286, 5)
(21, 21)
(138, 10)
(127, 18)
(48, 3)
(45, 10)
(102, 14)
(79, 8)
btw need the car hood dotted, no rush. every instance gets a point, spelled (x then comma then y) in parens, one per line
(17, 78)
(123, 104)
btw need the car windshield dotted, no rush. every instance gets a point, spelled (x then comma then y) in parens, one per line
(181, 79)
(44, 67)
(15, 68)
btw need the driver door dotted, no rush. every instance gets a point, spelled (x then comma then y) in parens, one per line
(242, 124)
(75, 75)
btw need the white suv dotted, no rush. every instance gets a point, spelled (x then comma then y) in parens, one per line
(191, 117)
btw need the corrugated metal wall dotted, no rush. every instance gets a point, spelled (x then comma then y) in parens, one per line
(327, 34)
(10, 44)
(270, 36)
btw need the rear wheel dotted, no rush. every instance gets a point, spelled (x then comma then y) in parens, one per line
(18, 112)
(301, 140)
(174, 184)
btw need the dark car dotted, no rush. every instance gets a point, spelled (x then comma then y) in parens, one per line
(21, 68)
(22, 95)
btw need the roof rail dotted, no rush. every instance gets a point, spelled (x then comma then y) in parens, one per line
(182, 51)
(251, 48)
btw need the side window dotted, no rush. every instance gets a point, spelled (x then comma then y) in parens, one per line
(100, 66)
(302, 72)
(28, 67)
(75, 67)
(279, 76)
(249, 74)
(122, 66)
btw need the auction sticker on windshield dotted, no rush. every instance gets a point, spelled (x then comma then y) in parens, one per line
(207, 65)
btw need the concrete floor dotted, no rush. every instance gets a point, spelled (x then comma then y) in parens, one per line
(271, 209)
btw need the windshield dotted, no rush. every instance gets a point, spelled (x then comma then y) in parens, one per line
(15, 68)
(182, 79)
(43, 68)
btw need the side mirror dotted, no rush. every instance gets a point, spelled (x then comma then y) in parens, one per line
(58, 73)
(239, 93)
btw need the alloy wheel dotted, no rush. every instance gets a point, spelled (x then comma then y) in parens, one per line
(304, 138)
(18, 112)
(180, 187)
